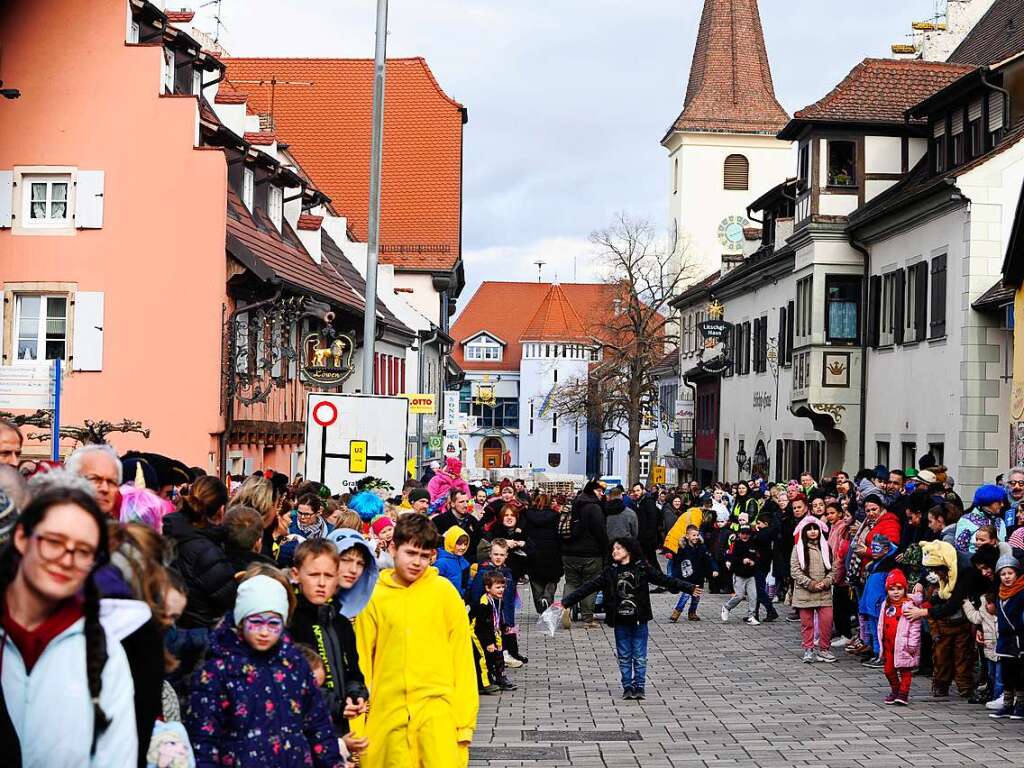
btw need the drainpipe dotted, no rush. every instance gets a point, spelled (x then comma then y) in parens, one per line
(693, 446)
(433, 339)
(863, 426)
(1006, 98)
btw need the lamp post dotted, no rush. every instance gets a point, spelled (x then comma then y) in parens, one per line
(742, 462)
(372, 236)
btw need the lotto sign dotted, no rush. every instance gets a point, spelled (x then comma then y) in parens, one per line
(349, 437)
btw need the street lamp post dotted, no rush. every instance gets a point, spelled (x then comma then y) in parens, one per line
(372, 236)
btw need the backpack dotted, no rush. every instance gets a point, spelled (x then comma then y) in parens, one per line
(568, 523)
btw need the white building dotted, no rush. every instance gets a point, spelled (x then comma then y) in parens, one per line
(937, 38)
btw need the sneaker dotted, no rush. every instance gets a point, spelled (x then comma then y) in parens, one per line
(627, 694)
(692, 617)
(675, 615)
(794, 616)
(1002, 714)
(840, 642)
(506, 685)
(890, 699)
(490, 690)
(639, 694)
(808, 656)
(826, 656)
(1018, 712)
(725, 613)
(511, 661)
(770, 617)
(752, 621)
(873, 663)
(903, 699)
(996, 703)
(566, 619)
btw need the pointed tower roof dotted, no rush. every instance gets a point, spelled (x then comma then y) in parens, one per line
(730, 88)
(555, 320)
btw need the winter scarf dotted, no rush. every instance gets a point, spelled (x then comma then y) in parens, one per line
(1005, 593)
(317, 530)
(826, 556)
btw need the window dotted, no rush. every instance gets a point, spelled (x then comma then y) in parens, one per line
(804, 164)
(483, 349)
(842, 164)
(275, 205)
(554, 376)
(645, 465)
(133, 32)
(737, 172)
(995, 116)
(782, 336)
(803, 307)
(554, 427)
(790, 317)
(197, 82)
(916, 303)
(975, 135)
(46, 201)
(882, 453)
(907, 452)
(595, 354)
(760, 344)
(168, 71)
(842, 309)
(531, 416)
(938, 451)
(42, 326)
(887, 317)
(675, 176)
(939, 145)
(248, 180)
(609, 461)
(576, 436)
(388, 374)
(744, 349)
(957, 131)
(938, 323)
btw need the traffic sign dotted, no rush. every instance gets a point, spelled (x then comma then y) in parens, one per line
(349, 437)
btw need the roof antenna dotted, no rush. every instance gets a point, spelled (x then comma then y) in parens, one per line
(540, 266)
(216, 18)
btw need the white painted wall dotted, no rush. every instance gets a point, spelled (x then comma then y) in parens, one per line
(536, 379)
(423, 298)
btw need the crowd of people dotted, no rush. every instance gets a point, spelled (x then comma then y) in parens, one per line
(167, 618)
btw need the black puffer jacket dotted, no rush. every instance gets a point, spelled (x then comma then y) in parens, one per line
(205, 568)
(544, 559)
(638, 575)
(651, 520)
(590, 537)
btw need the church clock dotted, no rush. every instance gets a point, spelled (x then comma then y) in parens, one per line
(730, 233)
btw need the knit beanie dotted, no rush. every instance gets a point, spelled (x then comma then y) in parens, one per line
(894, 577)
(988, 494)
(260, 594)
(380, 524)
(418, 494)
(1008, 561)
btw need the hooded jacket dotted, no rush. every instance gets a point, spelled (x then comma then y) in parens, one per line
(544, 555)
(743, 550)
(205, 568)
(49, 707)
(417, 657)
(620, 520)
(969, 523)
(453, 567)
(988, 622)
(873, 594)
(906, 650)
(258, 710)
(476, 590)
(591, 533)
(947, 603)
(650, 522)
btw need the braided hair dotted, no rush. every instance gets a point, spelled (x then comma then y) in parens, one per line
(95, 638)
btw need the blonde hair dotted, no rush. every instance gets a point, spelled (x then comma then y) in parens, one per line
(258, 493)
(349, 519)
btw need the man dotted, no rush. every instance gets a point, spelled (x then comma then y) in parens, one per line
(1015, 495)
(419, 500)
(10, 443)
(457, 513)
(651, 522)
(620, 520)
(100, 466)
(807, 483)
(583, 556)
(519, 486)
(894, 493)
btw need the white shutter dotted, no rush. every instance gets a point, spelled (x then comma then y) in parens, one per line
(89, 200)
(6, 198)
(939, 129)
(248, 466)
(995, 111)
(958, 122)
(974, 111)
(87, 346)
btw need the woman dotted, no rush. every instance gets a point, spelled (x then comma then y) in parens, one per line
(544, 555)
(818, 507)
(745, 503)
(258, 493)
(67, 686)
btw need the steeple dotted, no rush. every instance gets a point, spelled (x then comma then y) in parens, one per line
(555, 320)
(730, 88)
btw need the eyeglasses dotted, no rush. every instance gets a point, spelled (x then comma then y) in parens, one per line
(310, 513)
(257, 623)
(53, 548)
(1015, 482)
(99, 481)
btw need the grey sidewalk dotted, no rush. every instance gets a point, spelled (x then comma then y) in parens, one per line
(722, 695)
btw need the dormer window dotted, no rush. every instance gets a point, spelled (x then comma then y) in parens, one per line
(975, 136)
(995, 115)
(939, 145)
(483, 347)
(275, 205)
(804, 165)
(957, 132)
(248, 182)
(168, 71)
(197, 82)
(842, 164)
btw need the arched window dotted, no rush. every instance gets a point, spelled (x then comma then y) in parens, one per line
(737, 172)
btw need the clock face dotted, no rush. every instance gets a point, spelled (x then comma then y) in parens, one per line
(730, 233)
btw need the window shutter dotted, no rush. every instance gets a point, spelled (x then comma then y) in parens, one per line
(276, 341)
(957, 119)
(921, 301)
(737, 172)
(900, 305)
(6, 198)
(939, 129)
(248, 466)
(874, 308)
(782, 336)
(974, 111)
(790, 311)
(995, 111)
(938, 324)
(89, 200)
(87, 345)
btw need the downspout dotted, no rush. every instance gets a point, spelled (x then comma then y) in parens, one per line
(863, 426)
(693, 435)
(1006, 97)
(419, 388)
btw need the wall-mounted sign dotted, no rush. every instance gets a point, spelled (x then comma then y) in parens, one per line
(715, 356)
(421, 402)
(327, 357)
(835, 369)
(762, 400)
(684, 409)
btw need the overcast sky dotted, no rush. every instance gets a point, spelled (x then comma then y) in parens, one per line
(568, 99)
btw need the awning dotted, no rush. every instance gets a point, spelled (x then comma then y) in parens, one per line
(995, 298)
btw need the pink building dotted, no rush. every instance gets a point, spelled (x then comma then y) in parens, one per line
(169, 260)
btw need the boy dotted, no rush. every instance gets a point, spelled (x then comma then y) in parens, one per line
(742, 561)
(510, 633)
(417, 656)
(693, 564)
(485, 619)
(450, 561)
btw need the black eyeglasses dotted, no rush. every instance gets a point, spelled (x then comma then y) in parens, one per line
(53, 548)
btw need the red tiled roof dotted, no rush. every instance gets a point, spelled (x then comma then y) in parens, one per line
(555, 320)
(730, 88)
(328, 127)
(180, 17)
(260, 138)
(881, 90)
(507, 310)
(226, 94)
(309, 221)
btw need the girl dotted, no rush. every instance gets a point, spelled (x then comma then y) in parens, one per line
(811, 568)
(67, 686)
(899, 637)
(254, 701)
(628, 608)
(381, 531)
(1008, 642)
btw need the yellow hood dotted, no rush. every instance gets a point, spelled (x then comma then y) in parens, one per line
(452, 536)
(937, 553)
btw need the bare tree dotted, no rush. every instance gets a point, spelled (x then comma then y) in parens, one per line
(644, 271)
(93, 432)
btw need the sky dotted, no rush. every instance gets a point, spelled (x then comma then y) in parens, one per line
(568, 99)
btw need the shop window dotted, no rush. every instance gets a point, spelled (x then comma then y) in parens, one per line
(842, 164)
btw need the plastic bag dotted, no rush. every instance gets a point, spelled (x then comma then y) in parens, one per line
(548, 621)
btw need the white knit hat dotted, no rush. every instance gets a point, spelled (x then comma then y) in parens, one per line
(260, 594)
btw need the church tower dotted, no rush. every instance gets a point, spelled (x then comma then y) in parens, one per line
(723, 153)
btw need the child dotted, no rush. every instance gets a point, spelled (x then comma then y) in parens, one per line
(882, 560)
(417, 656)
(692, 562)
(628, 608)
(742, 560)
(381, 531)
(985, 618)
(507, 527)
(450, 561)
(485, 619)
(254, 701)
(510, 638)
(1009, 645)
(899, 637)
(810, 567)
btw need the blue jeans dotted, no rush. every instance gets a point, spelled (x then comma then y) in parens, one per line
(761, 580)
(684, 598)
(995, 676)
(631, 649)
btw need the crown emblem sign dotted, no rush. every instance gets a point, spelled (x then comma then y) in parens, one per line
(837, 368)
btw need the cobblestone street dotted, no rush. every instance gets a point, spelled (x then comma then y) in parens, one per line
(722, 695)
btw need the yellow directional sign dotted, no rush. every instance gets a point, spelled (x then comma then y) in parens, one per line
(658, 474)
(357, 451)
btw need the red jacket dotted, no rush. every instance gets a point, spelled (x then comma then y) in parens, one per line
(889, 526)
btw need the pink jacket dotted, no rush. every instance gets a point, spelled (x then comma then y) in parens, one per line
(441, 483)
(907, 650)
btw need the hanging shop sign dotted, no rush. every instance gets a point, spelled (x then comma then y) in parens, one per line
(327, 357)
(715, 357)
